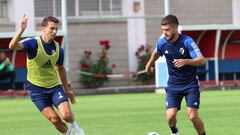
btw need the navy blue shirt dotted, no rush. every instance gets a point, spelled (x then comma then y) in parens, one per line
(184, 47)
(31, 47)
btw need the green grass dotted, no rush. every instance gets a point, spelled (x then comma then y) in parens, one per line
(125, 114)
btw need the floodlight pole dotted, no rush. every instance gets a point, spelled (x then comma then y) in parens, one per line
(166, 7)
(65, 39)
(217, 42)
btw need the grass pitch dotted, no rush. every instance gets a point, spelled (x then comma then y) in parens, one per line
(125, 114)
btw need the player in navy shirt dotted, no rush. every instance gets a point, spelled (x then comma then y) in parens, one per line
(182, 57)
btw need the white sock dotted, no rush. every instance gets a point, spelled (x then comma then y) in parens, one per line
(75, 126)
(68, 132)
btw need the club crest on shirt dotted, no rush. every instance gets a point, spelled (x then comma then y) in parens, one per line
(181, 51)
(53, 51)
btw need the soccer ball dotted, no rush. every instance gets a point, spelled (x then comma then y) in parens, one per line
(152, 133)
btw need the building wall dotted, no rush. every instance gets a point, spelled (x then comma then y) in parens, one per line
(202, 11)
(153, 31)
(189, 13)
(7, 26)
(86, 36)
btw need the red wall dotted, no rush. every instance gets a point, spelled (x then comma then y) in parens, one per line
(207, 43)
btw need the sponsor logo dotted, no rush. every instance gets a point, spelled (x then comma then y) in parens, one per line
(60, 95)
(195, 103)
(47, 64)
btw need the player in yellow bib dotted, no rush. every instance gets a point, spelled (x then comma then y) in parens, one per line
(41, 69)
(46, 73)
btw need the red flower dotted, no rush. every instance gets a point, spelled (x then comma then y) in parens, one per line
(104, 42)
(137, 54)
(147, 50)
(102, 56)
(142, 59)
(87, 53)
(113, 65)
(106, 46)
(139, 49)
(142, 47)
(85, 65)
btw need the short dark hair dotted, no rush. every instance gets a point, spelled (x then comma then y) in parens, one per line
(170, 19)
(49, 19)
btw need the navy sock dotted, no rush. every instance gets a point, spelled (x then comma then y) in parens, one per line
(174, 129)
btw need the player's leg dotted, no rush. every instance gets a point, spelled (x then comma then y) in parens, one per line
(52, 116)
(44, 104)
(65, 112)
(193, 103)
(60, 100)
(67, 115)
(171, 115)
(173, 104)
(196, 120)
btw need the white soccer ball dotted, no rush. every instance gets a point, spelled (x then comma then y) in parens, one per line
(152, 133)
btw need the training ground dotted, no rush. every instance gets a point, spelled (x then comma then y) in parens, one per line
(125, 114)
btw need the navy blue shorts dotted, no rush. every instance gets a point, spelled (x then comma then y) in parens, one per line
(174, 98)
(48, 97)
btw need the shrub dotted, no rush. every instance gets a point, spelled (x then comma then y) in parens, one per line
(143, 54)
(99, 68)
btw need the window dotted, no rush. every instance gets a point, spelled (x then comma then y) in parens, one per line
(100, 8)
(52, 7)
(3, 9)
(79, 8)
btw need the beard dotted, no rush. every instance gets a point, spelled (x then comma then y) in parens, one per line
(173, 37)
(170, 37)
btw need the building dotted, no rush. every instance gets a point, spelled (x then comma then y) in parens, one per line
(127, 24)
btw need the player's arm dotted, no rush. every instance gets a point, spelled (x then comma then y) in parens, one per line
(153, 58)
(195, 53)
(63, 77)
(192, 62)
(199, 61)
(14, 43)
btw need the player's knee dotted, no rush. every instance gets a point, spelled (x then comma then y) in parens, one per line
(192, 117)
(171, 118)
(67, 116)
(54, 119)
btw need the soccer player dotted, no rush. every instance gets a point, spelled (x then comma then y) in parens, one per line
(182, 56)
(45, 71)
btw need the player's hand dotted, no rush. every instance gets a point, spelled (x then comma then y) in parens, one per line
(23, 22)
(71, 96)
(178, 63)
(7, 63)
(148, 68)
